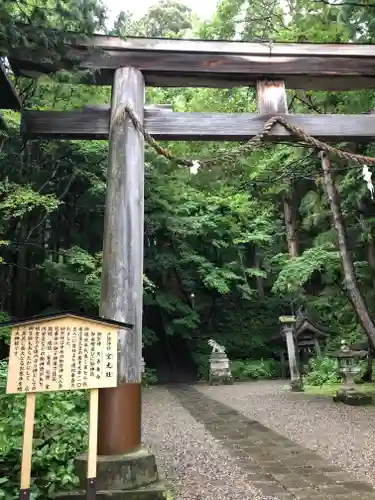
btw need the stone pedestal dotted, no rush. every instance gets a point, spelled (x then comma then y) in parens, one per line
(220, 372)
(352, 397)
(133, 476)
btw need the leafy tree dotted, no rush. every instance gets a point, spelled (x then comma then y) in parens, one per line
(218, 252)
(42, 24)
(167, 18)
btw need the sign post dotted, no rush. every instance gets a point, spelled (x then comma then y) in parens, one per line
(27, 446)
(62, 352)
(93, 444)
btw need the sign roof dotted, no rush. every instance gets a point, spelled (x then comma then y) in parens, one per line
(60, 315)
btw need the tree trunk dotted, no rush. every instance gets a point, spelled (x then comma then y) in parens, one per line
(346, 258)
(259, 279)
(369, 240)
(291, 225)
(19, 289)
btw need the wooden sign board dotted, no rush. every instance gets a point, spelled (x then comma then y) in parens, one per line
(56, 353)
(62, 354)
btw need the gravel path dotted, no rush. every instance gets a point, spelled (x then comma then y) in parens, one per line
(342, 434)
(190, 458)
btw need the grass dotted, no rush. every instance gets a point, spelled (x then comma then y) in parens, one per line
(330, 390)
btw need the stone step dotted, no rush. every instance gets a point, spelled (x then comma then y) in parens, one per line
(155, 491)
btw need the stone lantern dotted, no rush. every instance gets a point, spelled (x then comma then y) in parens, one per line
(348, 368)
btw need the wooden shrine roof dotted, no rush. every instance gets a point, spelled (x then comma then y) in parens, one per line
(9, 98)
(204, 63)
(304, 324)
(39, 318)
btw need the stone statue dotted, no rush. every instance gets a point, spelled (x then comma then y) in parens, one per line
(220, 372)
(216, 347)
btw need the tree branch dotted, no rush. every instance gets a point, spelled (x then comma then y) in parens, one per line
(349, 4)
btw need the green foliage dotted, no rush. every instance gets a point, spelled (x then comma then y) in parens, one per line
(331, 389)
(219, 235)
(166, 18)
(255, 369)
(79, 272)
(216, 260)
(5, 331)
(149, 377)
(322, 371)
(60, 434)
(322, 259)
(201, 355)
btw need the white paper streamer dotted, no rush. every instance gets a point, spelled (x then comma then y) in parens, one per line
(367, 178)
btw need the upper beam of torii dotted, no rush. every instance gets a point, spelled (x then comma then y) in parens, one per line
(199, 63)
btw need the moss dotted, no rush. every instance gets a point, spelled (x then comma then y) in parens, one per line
(331, 389)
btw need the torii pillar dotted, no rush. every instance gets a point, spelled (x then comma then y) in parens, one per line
(123, 466)
(119, 426)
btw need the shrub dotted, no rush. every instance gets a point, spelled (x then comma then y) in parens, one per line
(149, 377)
(255, 369)
(60, 434)
(322, 371)
(5, 331)
(202, 362)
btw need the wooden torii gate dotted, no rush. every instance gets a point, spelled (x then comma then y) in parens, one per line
(128, 65)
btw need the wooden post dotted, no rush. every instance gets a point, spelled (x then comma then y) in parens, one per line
(282, 362)
(287, 323)
(93, 445)
(27, 446)
(293, 364)
(271, 98)
(119, 426)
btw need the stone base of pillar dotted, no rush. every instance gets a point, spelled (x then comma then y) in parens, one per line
(296, 386)
(352, 397)
(152, 492)
(220, 372)
(133, 476)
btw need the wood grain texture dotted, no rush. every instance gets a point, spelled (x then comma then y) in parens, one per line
(27, 443)
(292, 356)
(186, 63)
(93, 434)
(271, 97)
(122, 273)
(81, 124)
(104, 42)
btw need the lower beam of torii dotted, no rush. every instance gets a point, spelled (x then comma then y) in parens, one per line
(119, 426)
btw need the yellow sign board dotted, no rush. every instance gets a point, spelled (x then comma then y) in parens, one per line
(62, 354)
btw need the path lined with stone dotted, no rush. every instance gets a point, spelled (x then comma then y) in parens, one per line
(197, 465)
(342, 434)
(239, 442)
(279, 467)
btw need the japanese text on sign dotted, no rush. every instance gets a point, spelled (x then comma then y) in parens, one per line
(62, 355)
